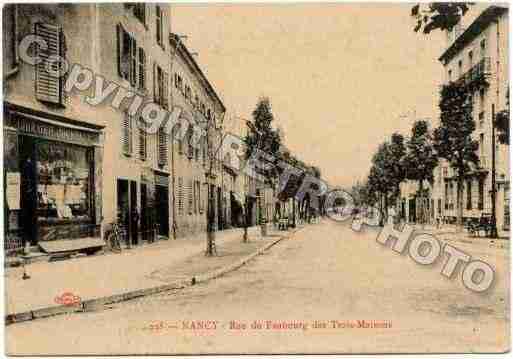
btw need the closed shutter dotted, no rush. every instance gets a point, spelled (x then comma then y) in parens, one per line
(156, 93)
(126, 135)
(162, 147)
(133, 62)
(49, 86)
(142, 68)
(143, 140)
(189, 196)
(180, 195)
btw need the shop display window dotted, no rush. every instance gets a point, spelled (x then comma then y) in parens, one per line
(63, 182)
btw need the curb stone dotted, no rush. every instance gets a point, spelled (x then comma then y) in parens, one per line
(97, 304)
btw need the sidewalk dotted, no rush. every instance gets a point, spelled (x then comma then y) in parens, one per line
(136, 272)
(450, 232)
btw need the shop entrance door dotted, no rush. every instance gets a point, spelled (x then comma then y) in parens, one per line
(162, 198)
(220, 223)
(145, 213)
(412, 211)
(28, 197)
(134, 213)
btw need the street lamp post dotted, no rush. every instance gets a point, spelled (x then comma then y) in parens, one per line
(493, 231)
(211, 239)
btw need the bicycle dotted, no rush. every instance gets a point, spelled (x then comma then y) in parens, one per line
(114, 238)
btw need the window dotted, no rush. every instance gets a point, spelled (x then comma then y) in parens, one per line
(142, 69)
(449, 75)
(198, 194)
(63, 182)
(188, 92)
(460, 68)
(470, 59)
(439, 206)
(480, 203)
(133, 62)
(140, 12)
(179, 83)
(159, 26)
(143, 140)
(190, 200)
(49, 82)
(160, 84)
(483, 48)
(162, 147)
(204, 150)
(469, 195)
(127, 56)
(482, 150)
(446, 196)
(126, 135)
(189, 137)
(180, 195)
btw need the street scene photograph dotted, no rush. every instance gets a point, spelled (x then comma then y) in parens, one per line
(256, 178)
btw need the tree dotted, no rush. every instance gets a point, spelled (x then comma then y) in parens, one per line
(263, 137)
(396, 157)
(453, 138)
(438, 15)
(420, 160)
(381, 177)
(502, 123)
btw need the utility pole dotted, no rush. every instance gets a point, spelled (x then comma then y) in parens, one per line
(493, 233)
(211, 239)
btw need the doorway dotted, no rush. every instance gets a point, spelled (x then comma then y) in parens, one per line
(162, 199)
(128, 215)
(28, 197)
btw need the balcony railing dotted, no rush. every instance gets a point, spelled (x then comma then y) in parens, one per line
(476, 72)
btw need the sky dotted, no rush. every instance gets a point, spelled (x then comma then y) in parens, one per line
(341, 77)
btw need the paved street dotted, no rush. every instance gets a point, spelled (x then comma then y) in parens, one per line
(323, 273)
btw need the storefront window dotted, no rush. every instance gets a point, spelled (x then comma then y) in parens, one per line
(62, 182)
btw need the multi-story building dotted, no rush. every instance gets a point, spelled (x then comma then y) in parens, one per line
(479, 54)
(196, 169)
(76, 161)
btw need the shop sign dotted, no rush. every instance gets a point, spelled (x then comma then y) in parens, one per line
(12, 193)
(53, 132)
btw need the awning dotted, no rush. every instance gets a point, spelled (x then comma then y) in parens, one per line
(72, 245)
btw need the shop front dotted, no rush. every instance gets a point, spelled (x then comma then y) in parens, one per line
(53, 181)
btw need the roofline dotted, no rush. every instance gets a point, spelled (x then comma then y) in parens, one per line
(182, 49)
(470, 33)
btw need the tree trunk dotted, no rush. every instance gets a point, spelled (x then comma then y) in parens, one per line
(459, 195)
(421, 209)
(386, 207)
(381, 209)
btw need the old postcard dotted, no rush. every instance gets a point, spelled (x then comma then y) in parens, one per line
(242, 178)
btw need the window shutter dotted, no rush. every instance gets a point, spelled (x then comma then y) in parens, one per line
(162, 147)
(156, 98)
(142, 68)
(48, 86)
(180, 195)
(125, 135)
(189, 196)
(119, 31)
(143, 140)
(165, 92)
(133, 62)
(64, 95)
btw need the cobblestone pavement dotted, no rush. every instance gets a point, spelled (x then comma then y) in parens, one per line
(326, 289)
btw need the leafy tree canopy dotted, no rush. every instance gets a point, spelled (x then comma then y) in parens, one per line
(438, 15)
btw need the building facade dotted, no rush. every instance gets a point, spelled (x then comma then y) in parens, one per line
(477, 54)
(76, 162)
